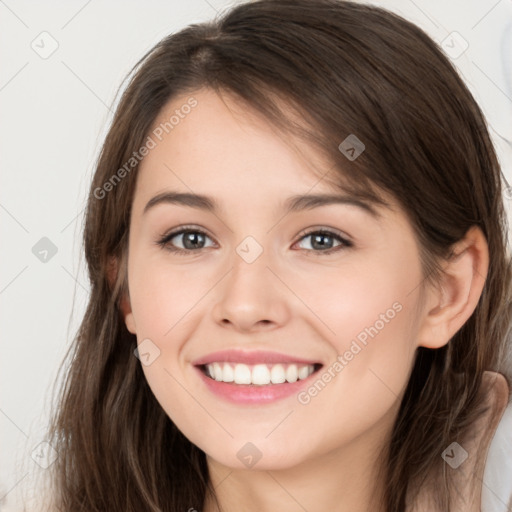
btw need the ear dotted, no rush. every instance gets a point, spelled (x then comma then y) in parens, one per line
(449, 305)
(114, 267)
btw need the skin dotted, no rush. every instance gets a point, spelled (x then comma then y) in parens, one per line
(291, 299)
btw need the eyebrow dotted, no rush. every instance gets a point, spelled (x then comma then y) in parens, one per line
(292, 204)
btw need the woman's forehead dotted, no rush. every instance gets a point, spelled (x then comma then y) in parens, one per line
(215, 145)
(226, 147)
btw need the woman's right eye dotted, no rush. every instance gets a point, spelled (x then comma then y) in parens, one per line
(189, 237)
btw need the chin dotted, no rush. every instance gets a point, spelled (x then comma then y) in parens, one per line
(255, 456)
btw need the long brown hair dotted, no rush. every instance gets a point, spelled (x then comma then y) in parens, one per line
(343, 68)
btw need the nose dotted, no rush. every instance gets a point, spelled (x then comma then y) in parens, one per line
(251, 297)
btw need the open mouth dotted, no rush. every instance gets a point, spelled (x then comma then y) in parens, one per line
(258, 374)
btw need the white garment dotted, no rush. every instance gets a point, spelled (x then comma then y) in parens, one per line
(497, 481)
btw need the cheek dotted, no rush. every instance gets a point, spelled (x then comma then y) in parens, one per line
(365, 300)
(163, 296)
(166, 303)
(370, 312)
(374, 324)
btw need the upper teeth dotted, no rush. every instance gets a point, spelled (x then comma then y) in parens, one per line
(259, 374)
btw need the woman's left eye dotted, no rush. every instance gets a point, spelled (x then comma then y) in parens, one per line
(318, 238)
(191, 237)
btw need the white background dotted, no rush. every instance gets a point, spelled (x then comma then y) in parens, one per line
(54, 115)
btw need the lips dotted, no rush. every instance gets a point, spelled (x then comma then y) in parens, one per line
(255, 377)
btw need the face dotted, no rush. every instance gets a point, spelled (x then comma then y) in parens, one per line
(331, 289)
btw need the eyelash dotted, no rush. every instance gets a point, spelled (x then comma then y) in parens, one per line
(164, 241)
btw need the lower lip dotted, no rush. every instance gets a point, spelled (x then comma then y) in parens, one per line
(252, 393)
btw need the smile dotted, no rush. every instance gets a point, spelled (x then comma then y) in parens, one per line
(258, 374)
(254, 377)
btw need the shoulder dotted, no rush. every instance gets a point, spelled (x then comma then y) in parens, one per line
(497, 477)
(32, 497)
(469, 478)
(470, 454)
(496, 389)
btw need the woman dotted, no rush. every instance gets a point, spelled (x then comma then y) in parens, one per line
(337, 342)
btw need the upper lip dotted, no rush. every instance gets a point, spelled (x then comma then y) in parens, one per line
(250, 357)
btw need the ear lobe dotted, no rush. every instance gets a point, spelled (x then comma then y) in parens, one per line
(124, 301)
(126, 310)
(449, 306)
